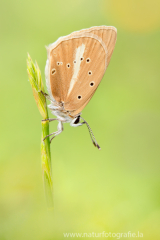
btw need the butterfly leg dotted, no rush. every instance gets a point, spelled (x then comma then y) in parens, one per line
(60, 129)
(46, 95)
(49, 119)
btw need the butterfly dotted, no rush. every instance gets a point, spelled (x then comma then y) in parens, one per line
(75, 66)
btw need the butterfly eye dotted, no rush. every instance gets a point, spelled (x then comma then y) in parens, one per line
(58, 63)
(89, 72)
(77, 120)
(88, 60)
(53, 71)
(79, 97)
(91, 84)
(68, 65)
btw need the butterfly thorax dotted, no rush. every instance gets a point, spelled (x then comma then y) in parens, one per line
(57, 109)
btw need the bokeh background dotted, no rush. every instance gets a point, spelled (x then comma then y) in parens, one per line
(114, 190)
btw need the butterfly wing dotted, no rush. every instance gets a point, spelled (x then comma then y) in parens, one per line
(76, 64)
(107, 34)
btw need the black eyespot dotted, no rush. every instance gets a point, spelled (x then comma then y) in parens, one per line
(91, 84)
(88, 60)
(79, 97)
(68, 65)
(81, 59)
(74, 61)
(58, 63)
(89, 72)
(53, 71)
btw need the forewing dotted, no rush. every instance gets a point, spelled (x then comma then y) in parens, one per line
(87, 72)
(59, 69)
(76, 64)
(107, 34)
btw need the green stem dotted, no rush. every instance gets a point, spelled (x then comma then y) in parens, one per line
(35, 79)
(46, 165)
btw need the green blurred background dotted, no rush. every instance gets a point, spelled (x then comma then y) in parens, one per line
(114, 190)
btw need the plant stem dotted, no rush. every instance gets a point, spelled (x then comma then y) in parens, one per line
(35, 79)
(46, 164)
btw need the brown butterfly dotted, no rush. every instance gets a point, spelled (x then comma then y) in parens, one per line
(75, 66)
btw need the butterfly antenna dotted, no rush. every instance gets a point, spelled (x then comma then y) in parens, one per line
(91, 134)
